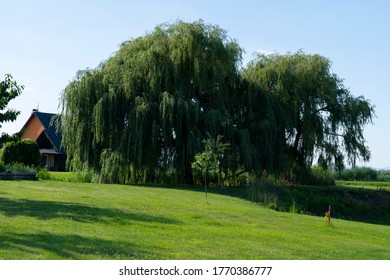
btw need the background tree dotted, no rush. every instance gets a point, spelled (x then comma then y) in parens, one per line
(5, 138)
(323, 119)
(9, 90)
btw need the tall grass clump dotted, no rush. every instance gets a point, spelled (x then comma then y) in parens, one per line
(267, 191)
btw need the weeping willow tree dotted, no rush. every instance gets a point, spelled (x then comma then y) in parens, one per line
(322, 120)
(142, 114)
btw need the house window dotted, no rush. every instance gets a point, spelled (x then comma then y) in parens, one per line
(51, 162)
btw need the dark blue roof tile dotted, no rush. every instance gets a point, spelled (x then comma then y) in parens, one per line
(51, 130)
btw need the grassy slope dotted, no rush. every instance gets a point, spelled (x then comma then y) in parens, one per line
(59, 220)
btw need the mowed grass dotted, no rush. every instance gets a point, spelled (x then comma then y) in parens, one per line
(65, 220)
(374, 185)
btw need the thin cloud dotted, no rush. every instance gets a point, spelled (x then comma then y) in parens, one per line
(265, 52)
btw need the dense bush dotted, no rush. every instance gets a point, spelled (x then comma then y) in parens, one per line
(19, 167)
(44, 174)
(25, 152)
(321, 177)
(383, 175)
(358, 174)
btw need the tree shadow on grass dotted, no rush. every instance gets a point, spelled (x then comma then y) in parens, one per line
(348, 203)
(75, 211)
(53, 246)
(234, 191)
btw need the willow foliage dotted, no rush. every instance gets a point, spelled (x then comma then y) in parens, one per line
(144, 113)
(323, 120)
(150, 105)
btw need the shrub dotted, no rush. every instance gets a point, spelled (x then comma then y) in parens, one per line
(320, 176)
(243, 179)
(383, 175)
(43, 174)
(25, 152)
(19, 167)
(358, 174)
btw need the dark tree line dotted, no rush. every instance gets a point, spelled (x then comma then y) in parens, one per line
(145, 113)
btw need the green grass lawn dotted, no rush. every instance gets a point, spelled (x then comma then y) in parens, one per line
(366, 185)
(65, 220)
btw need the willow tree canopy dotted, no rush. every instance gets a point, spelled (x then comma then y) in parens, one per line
(324, 120)
(148, 108)
(143, 114)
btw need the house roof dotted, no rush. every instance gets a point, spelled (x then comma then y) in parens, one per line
(50, 129)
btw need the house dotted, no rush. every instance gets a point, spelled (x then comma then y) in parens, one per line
(39, 128)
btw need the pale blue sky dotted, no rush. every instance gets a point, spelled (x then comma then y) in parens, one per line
(44, 43)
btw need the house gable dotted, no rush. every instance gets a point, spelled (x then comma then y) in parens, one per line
(39, 128)
(33, 128)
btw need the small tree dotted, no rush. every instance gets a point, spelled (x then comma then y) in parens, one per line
(212, 161)
(25, 152)
(9, 89)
